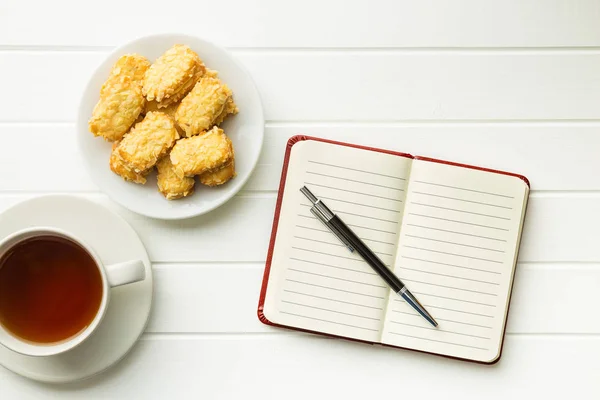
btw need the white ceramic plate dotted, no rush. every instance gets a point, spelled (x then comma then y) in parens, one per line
(114, 241)
(246, 130)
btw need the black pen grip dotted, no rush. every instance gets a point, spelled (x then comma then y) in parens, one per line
(366, 253)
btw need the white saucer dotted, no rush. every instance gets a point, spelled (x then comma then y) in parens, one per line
(129, 308)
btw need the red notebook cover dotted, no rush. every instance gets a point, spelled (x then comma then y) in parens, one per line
(263, 292)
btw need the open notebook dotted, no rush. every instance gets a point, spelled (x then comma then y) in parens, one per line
(450, 232)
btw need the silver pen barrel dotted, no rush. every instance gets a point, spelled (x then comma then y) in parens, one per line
(313, 199)
(324, 210)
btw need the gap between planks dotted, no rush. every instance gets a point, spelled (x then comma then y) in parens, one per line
(272, 194)
(369, 123)
(259, 265)
(282, 333)
(336, 49)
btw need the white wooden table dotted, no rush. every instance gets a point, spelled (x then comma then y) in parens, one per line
(511, 84)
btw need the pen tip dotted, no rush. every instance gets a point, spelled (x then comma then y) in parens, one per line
(414, 303)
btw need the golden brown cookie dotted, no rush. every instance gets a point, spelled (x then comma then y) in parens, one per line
(211, 72)
(121, 100)
(131, 65)
(147, 142)
(220, 176)
(209, 101)
(198, 154)
(117, 166)
(172, 75)
(229, 109)
(169, 184)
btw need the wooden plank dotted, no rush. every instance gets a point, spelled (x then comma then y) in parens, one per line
(271, 23)
(300, 367)
(48, 161)
(222, 298)
(215, 298)
(553, 157)
(568, 234)
(557, 228)
(350, 86)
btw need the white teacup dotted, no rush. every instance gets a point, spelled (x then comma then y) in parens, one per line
(112, 275)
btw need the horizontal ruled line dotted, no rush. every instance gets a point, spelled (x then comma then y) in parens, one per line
(459, 222)
(327, 254)
(352, 225)
(464, 323)
(313, 229)
(360, 204)
(330, 299)
(465, 200)
(354, 180)
(449, 276)
(455, 243)
(373, 229)
(412, 314)
(339, 245)
(450, 287)
(319, 241)
(352, 191)
(335, 289)
(460, 311)
(462, 211)
(331, 322)
(365, 216)
(453, 298)
(453, 254)
(465, 189)
(336, 278)
(458, 233)
(358, 170)
(448, 309)
(378, 241)
(440, 330)
(328, 310)
(332, 266)
(450, 265)
(328, 231)
(438, 341)
(356, 215)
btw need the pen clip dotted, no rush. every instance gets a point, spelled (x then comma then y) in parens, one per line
(317, 213)
(325, 212)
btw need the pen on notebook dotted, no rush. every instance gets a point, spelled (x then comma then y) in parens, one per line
(353, 243)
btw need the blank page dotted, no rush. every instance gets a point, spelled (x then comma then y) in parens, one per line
(457, 252)
(315, 283)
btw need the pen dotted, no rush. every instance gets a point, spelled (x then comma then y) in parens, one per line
(353, 243)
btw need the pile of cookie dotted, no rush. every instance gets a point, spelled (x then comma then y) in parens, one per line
(166, 115)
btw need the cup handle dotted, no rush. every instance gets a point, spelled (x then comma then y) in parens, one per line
(125, 272)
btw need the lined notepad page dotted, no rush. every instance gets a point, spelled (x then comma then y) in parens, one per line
(456, 253)
(315, 283)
